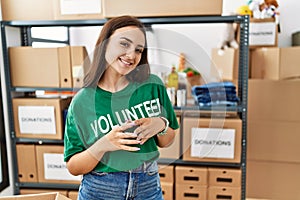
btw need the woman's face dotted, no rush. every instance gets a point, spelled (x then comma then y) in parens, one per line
(124, 49)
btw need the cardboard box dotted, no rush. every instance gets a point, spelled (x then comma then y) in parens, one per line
(155, 8)
(273, 180)
(270, 140)
(275, 63)
(191, 192)
(224, 177)
(263, 33)
(270, 100)
(216, 193)
(38, 67)
(38, 191)
(39, 117)
(47, 67)
(191, 175)
(172, 151)
(26, 10)
(225, 66)
(51, 167)
(26, 158)
(212, 139)
(73, 195)
(77, 10)
(166, 173)
(167, 190)
(80, 63)
(44, 196)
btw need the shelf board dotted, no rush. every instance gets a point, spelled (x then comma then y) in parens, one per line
(49, 186)
(166, 161)
(38, 141)
(144, 20)
(33, 89)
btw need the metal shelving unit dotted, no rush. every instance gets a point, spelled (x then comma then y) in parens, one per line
(241, 109)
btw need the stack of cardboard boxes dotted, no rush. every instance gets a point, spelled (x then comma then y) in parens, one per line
(273, 121)
(42, 119)
(273, 114)
(180, 182)
(210, 139)
(273, 148)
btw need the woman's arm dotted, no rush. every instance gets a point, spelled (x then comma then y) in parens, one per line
(167, 139)
(116, 139)
(152, 126)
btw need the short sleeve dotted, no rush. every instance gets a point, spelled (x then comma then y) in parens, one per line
(72, 141)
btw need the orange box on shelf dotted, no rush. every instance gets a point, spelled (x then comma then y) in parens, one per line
(224, 177)
(166, 173)
(27, 165)
(225, 66)
(155, 8)
(39, 117)
(24, 10)
(262, 33)
(212, 139)
(80, 63)
(191, 175)
(29, 67)
(190, 192)
(51, 166)
(167, 190)
(216, 193)
(38, 67)
(77, 10)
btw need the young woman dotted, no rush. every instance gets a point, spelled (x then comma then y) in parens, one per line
(117, 120)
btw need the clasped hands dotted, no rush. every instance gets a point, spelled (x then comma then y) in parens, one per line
(120, 138)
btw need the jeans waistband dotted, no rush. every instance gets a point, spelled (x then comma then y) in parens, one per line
(146, 167)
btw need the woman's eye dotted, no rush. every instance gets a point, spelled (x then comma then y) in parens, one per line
(124, 44)
(139, 50)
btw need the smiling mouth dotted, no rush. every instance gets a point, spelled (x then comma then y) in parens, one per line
(126, 63)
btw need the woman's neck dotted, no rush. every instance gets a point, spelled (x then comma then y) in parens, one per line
(112, 82)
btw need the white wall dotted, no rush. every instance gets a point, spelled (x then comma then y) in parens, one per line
(196, 40)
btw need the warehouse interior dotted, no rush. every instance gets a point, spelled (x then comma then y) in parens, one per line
(242, 148)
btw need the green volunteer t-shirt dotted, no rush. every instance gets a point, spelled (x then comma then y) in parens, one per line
(93, 112)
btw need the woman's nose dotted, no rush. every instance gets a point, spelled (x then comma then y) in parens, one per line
(130, 54)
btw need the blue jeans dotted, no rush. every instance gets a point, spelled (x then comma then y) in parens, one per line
(142, 183)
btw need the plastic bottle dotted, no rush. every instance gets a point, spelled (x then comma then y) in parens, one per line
(173, 78)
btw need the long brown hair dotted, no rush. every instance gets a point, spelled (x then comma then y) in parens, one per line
(98, 66)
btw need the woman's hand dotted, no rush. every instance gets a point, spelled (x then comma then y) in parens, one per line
(116, 139)
(148, 127)
(119, 139)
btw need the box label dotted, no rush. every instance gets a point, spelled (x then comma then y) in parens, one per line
(75, 7)
(55, 168)
(213, 143)
(37, 119)
(262, 33)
